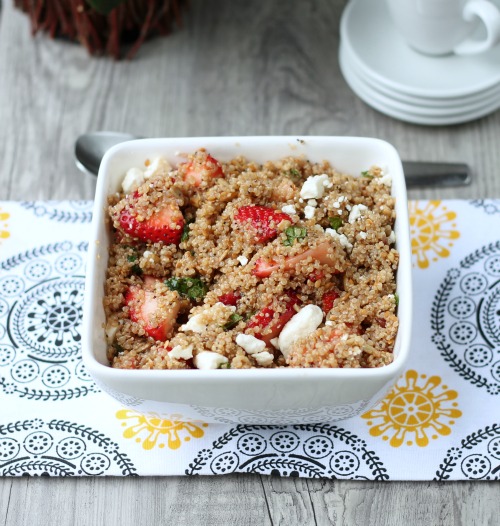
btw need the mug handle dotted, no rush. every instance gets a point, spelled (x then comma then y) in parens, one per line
(489, 14)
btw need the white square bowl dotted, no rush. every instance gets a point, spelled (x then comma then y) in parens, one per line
(249, 396)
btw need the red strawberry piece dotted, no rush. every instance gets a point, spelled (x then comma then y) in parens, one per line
(199, 169)
(262, 219)
(144, 309)
(264, 319)
(230, 298)
(264, 268)
(163, 226)
(327, 300)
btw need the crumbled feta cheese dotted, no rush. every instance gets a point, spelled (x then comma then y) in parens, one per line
(314, 186)
(132, 180)
(275, 343)
(264, 358)
(209, 360)
(243, 260)
(386, 180)
(363, 235)
(336, 204)
(309, 212)
(329, 323)
(356, 212)
(288, 209)
(344, 337)
(341, 198)
(179, 352)
(305, 322)
(159, 164)
(312, 202)
(342, 238)
(147, 253)
(194, 324)
(392, 238)
(200, 321)
(250, 343)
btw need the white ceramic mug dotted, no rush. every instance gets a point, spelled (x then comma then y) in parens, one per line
(441, 27)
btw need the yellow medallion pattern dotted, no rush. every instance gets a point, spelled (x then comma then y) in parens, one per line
(418, 408)
(4, 232)
(154, 431)
(432, 230)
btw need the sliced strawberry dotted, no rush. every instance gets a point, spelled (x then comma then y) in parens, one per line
(144, 309)
(264, 268)
(230, 298)
(327, 300)
(264, 319)
(202, 168)
(163, 226)
(262, 219)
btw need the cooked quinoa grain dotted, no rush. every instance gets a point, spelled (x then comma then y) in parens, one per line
(240, 265)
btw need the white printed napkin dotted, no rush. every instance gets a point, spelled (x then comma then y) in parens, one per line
(440, 422)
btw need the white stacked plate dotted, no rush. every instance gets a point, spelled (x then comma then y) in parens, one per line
(394, 79)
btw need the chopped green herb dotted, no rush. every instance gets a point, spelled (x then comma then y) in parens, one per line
(225, 366)
(132, 258)
(335, 222)
(294, 173)
(191, 288)
(294, 233)
(366, 173)
(136, 269)
(186, 230)
(234, 319)
(396, 298)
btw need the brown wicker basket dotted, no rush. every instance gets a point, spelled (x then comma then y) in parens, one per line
(119, 33)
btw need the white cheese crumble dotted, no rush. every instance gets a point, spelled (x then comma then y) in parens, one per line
(194, 324)
(155, 166)
(179, 352)
(264, 358)
(288, 209)
(356, 212)
(243, 260)
(275, 343)
(250, 344)
(329, 323)
(386, 180)
(309, 212)
(312, 202)
(209, 360)
(132, 180)
(392, 238)
(305, 322)
(314, 186)
(341, 238)
(363, 235)
(200, 321)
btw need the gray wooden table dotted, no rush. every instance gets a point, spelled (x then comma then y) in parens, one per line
(236, 68)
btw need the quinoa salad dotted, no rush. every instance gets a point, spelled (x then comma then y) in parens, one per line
(236, 265)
